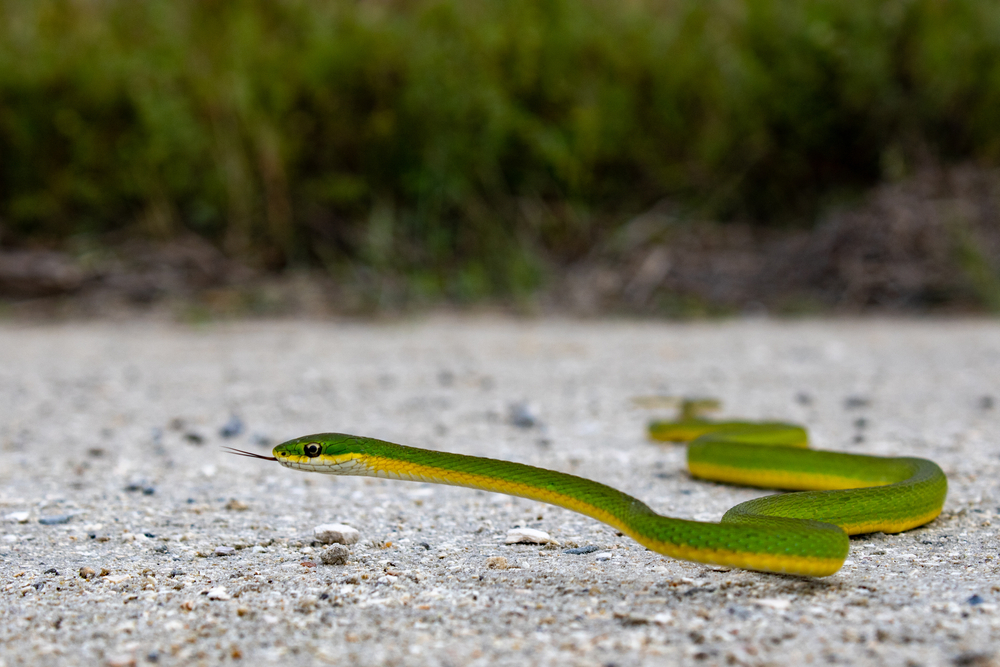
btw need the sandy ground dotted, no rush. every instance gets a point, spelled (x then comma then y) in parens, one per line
(128, 537)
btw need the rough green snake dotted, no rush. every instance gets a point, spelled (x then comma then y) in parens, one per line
(802, 533)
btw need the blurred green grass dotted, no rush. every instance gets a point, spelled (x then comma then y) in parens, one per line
(466, 145)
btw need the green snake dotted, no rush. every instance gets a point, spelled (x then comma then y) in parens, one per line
(802, 533)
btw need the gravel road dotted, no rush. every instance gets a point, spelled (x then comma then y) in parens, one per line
(127, 536)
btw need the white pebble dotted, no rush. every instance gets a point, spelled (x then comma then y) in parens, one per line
(336, 533)
(224, 551)
(772, 603)
(528, 536)
(218, 593)
(17, 517)
(603, 555)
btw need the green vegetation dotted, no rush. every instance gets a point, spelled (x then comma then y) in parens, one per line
(464, 144)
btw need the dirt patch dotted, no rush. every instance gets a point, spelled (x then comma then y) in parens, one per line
(929, 243)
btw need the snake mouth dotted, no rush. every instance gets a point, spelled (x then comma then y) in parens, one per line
(240, 452)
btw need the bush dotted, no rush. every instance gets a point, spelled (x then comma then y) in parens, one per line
(463, 144)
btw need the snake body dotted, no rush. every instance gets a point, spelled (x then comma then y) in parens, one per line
(796, 533)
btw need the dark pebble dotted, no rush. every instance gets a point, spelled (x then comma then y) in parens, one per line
(860, 422)
(135, 485)
(38, 585)
(52, 570)
(54, 519)
(161, 549)
(589, 549)
(425, 546)
(975, 599)
(148, 490)
(232, 428)
(741, 613)
(852, 402)
(986, 403)
(153, 656)
(194, 438)
(149, 535)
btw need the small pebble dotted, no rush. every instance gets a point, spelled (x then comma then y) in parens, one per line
(219, 593)
(335, 555)
(52, 570)
(603, 556)
(663, 618)
(772, 603)
(194, 438)
(232, 428)
(18, 517)
(237, 505)
(224, 551)
(632, 619)
(528, 536)
(136, 484)
(522, 415)
(336, 533)
(741, 613)
(497, 563)
(986, 403)
(54, 519)
(589, 549)
(852, 402)
(87, 573)
(975, 599)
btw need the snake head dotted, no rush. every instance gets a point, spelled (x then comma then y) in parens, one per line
(310, 452)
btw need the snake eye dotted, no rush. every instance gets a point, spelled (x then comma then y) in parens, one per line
(312, 449)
